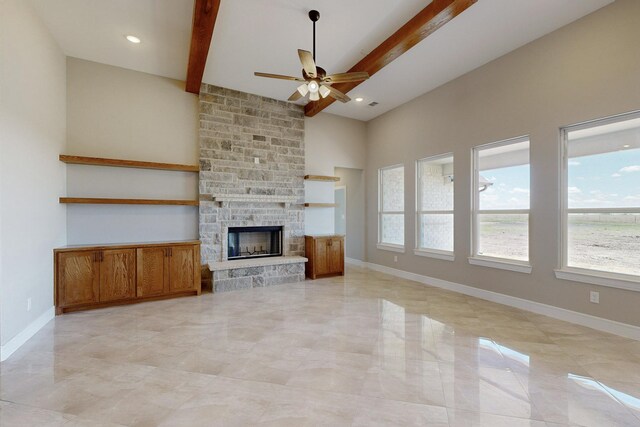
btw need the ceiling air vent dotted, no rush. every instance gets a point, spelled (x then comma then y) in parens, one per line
(373, 104)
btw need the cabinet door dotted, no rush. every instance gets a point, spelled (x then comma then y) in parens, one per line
(153, 271)
(78, 280)
(321, 261)
(335, 258)
(182, 268)
(117, 274)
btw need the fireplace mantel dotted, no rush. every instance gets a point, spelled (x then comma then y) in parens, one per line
(225, 199)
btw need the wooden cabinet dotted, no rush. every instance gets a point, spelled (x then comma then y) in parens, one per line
(325, 254)
(98, 276)
(153, 271)
(117, 274)
(182, 268)
(77, 278)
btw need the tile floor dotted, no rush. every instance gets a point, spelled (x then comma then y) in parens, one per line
(361, 350)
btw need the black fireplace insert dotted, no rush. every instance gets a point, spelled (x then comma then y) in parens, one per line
(254, 242)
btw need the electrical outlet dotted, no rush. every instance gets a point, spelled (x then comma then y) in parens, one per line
(256, 160)
(395, 258)
(594, 297)
(28, 304)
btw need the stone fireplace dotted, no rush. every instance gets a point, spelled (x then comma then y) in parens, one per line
(251, 175)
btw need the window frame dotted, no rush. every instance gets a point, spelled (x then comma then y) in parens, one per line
(385, 245)
(485, 260)
(431, 252)
(579, 274)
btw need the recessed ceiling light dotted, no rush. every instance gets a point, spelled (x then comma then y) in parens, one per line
(626, 146)
(133, 39)
(359, 99)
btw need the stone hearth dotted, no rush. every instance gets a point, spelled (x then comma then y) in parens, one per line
(236, 128)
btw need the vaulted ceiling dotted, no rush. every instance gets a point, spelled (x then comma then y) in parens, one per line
(259, 35)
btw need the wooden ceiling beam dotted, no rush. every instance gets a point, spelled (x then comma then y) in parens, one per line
(205, 13)
(427, 21)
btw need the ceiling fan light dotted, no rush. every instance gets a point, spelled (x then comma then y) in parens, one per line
(303, 89)
(324, 91)
(313, 86)
(313, 96)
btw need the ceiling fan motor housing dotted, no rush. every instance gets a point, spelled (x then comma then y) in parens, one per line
(320, 74)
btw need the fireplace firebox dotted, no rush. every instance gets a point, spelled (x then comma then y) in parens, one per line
(254, 242)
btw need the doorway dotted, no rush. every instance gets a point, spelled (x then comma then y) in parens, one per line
(349, 214)
(340, 211)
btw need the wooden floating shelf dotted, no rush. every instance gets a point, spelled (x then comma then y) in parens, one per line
(98, 161)
(101, 201)
(320, 205)
(321, 178)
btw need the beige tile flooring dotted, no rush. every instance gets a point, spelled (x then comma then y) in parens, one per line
(361, 350)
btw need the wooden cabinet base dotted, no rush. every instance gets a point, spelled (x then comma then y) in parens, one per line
(62, 310)
(326, 256)
(102, 276)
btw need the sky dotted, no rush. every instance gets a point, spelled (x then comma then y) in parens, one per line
(510, 189)
(608, 180)
(605, 180)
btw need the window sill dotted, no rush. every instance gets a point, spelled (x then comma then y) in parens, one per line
(612, 280)
(390, 247)
(444, 255)
(519, 267)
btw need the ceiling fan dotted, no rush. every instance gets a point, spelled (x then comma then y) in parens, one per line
(315, 81)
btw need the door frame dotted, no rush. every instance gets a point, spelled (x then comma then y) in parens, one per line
(342, 187)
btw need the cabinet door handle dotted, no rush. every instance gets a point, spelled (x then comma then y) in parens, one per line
(170, 251)
(95, 257)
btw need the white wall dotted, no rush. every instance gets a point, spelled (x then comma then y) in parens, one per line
(583, 71)
(330, 141)
(32, 134)
(117, 113)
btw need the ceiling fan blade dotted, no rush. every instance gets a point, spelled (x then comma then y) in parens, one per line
(279, 76)
(295, 96)
(309, 65)
(335, 93)
(346, 77)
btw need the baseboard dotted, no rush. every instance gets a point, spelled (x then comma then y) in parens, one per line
(16, 342)
(598, 323)
(354, 261)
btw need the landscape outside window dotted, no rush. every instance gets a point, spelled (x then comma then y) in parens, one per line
(502, 200)
(603, 196)
(391, 210)
(435, 203)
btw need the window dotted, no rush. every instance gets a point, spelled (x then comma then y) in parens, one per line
(434, 207)
(601, 197)
(391, 208)
(501, 205)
